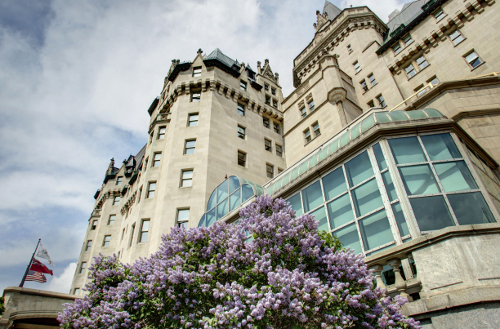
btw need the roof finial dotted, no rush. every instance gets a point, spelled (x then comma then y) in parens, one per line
(200, 51)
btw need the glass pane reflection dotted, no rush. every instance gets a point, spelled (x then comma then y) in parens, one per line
(366, 198)
(234, 183)
(334, 183)
(296, 204)
(382, 164)
(455, 176)
(407, 150)
(400, 219)
(470, 208)
(312, 196)
(349, 238)
(375, 230)
(246, 192)
(340, 211)
(320, 216)
(234, 200)
(222, 209)
(358, 169)
(389, 186)
(222, 191)
(419, 180)
(440, 147)
(431, 213)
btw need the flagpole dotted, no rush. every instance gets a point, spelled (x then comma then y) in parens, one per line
(29, 265)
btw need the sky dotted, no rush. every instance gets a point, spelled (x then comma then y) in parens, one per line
(76, 81)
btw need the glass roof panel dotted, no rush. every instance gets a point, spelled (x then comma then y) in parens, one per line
(367, 123)
(355, 131)
(433, 113)
(398, 115)
(345, 138)
(382, 117)
(234, 183)
(416, 114)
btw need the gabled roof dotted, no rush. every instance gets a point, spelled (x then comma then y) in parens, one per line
(332, 10)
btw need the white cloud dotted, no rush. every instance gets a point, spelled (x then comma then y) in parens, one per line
(62, 283)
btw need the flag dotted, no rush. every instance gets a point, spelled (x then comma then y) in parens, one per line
(36, 276)
(43, 253)
(37, 266)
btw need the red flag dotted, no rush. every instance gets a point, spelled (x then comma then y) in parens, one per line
(36, 276)
(37, 266)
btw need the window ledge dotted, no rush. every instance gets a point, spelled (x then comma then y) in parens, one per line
(439, 20)
(460, 41)
(185, 187)
(416, 73)
(477, 66)
(358, 72)
(376, 83)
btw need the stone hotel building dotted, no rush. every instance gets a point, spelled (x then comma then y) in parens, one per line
(390, 138)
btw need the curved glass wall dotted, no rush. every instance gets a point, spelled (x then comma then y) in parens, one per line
(360, 203)
(228, 196)
(346, 136)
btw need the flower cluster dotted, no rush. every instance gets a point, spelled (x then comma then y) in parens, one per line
(269, 270)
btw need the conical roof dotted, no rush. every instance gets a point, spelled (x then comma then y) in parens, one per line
(332, 10)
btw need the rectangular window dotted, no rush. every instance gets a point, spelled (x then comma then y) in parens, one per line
(146, 163)
(195, 96)
(372, 79)
(266, 87)
(456, 37)
(119, 180)
(131, 239)
(439, 14)
(275, 103)
(187, 178)
(381, 100)
(83, 265)
(303, 112)
(422, 63)
(156, 159)
(307, 135)
(106, 241)
(410, 71)
(357, 68)
(421, 90)
(349, 49)
(269, 170)
(196, 71)
(371, 104)
(311, 105)
(273, 91)
(268, 100)
(241, 109)
(280, 171)
(407, 39)
(116, 200)
(123, 234)
(279, 150)
(94, 225)
(268, 145)
(363, 85)
(276, 127)
(111, 220)
(242, 158)
(189, 146)
(143, 236)
(243, 85)
(265, 122)
(193, 120)
(77, 291)
(396, 48)
(88, 245)
(151, 190)
(317, 132)
(473, 59)
(182, 218)
(139, 194)
(161, 132)
(434, 80)
(241, 132)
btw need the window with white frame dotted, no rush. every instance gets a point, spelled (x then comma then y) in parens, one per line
(357, 67)
(161, 132)
(359, 202)
(381, 100)
(116, 200)
(410, 71)
(268, 145)
(307, 135)
(88, 245)
(371, 77)
(311, 105)
(303, 111)
(420, 90)
(106, 240)
(473, 59)
(119, 180)
(439, 14)
(407, 39)
(76, 291)
(182, 218)
(241, 132)
(269, 170)
(349, 49)
(396, 48)
(196, 71)
(193, 120)
(151, 190)
(241, 109)
(187, 178)
(243, 85)
(111, 219)
(189, 146)
(434, 80)
(156, 159)
(195, 96)
(143, 234)
(316, 130)
(83, 266)
(131, 238)
(363, 85)
(421, 62)
(456, 37)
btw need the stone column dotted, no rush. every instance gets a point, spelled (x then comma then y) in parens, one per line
(400, 282)
(337, 96)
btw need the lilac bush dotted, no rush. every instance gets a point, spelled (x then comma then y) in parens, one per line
(270, 270)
